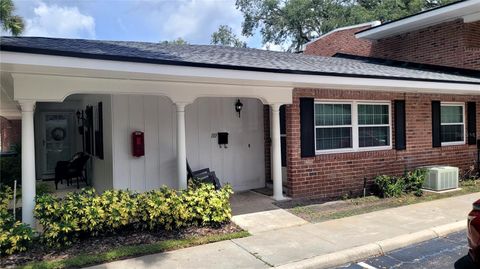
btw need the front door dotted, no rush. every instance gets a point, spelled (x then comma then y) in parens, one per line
(58, 142)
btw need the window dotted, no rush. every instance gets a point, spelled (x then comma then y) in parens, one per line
(452, 123)
(373, 125)
(333, 126)
(352, 126)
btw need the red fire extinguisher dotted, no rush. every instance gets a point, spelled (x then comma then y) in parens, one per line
(138, 144)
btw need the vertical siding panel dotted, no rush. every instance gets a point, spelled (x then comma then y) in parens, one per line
(137, 123)
(121, 168)
(166, 117)
(152, 147)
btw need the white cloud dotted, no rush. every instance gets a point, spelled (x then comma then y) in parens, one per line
(59, 21)
(194, 20)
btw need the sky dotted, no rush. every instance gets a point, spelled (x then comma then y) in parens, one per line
(135, 20)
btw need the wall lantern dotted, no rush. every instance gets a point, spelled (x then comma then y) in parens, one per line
(238, 107)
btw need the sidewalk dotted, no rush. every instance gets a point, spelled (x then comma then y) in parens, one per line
(323, 244)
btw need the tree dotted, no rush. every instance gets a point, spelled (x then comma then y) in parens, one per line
(299, 21)
(178, 41)
(10, 23)
(224, 36)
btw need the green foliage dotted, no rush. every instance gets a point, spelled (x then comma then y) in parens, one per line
(414, 181)
(224, 36)
(178, 41)
(87, 213)
(389, 186)
(207, 206)
(411, 182)
(10, 170)
(42, 188)
(10, 23)
(300, 21)
(14, 235)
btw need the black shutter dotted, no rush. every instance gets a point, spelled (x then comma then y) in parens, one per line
(400, 125)
(472, 122)
(436, 125)
(307, 128)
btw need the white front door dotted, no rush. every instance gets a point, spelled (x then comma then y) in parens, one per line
(58, 141)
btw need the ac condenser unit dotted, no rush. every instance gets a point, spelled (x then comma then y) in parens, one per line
(441, 178)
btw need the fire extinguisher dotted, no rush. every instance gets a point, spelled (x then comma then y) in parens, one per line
(138, 144)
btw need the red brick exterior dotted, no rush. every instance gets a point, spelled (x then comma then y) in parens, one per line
(333, 175)
(343, 41)
(454, 44)
(10, 133)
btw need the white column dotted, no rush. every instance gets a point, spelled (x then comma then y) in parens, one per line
(181, 147)
(28, 162)
(276, 152)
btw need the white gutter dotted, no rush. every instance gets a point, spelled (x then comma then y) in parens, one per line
(371, 24)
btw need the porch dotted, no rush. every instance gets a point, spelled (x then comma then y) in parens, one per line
(176, 129)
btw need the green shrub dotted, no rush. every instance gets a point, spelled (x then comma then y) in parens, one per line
(411, 182)
(414, 181)
(389, 186)
(14, 235)
(88, 214)
(164, 208)
(207, 206)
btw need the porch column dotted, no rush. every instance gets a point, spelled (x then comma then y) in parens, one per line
(28, 162)
(181, 147)
(276, 152)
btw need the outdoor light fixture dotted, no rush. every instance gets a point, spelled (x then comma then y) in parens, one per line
(238, 107)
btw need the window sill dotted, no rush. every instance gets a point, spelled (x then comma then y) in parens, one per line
(350, 150)
(446, 144)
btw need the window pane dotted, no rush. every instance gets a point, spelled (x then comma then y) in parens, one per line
(333, 114)
(373, 136)
(373, 114)
(452, 114)
(334, 138)
(452, 133)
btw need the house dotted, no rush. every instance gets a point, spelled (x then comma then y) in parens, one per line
(316, 125)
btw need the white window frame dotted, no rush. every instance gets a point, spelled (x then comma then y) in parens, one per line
(354, 125)
(463, 123)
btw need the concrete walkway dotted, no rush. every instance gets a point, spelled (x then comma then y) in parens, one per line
(320, 245)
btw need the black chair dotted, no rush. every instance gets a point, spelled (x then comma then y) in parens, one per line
(74, 168)
(204, 176)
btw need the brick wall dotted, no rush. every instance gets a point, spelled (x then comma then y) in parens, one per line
(454, 44)
(10, 133)
(343, 41)
(333, 175)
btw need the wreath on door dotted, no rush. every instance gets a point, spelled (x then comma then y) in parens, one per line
(58, 134)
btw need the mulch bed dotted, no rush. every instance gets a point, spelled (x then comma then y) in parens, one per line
(95, 245)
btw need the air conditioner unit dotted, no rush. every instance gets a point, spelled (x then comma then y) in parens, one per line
(441, 178)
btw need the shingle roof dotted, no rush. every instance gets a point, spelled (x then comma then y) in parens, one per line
(224, 57)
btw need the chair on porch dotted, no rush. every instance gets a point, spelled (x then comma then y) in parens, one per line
(74, 168)
(203, 176)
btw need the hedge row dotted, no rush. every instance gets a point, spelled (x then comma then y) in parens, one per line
(88, 213)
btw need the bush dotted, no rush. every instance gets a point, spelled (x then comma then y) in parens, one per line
(14, 235)
(88, 214)
(411, 182)
(389, 186)
(207, 206)
(414, 181)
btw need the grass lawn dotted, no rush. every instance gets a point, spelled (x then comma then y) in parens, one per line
(349, 207)
(123, 252)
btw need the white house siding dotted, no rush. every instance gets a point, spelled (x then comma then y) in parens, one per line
(239, 164)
